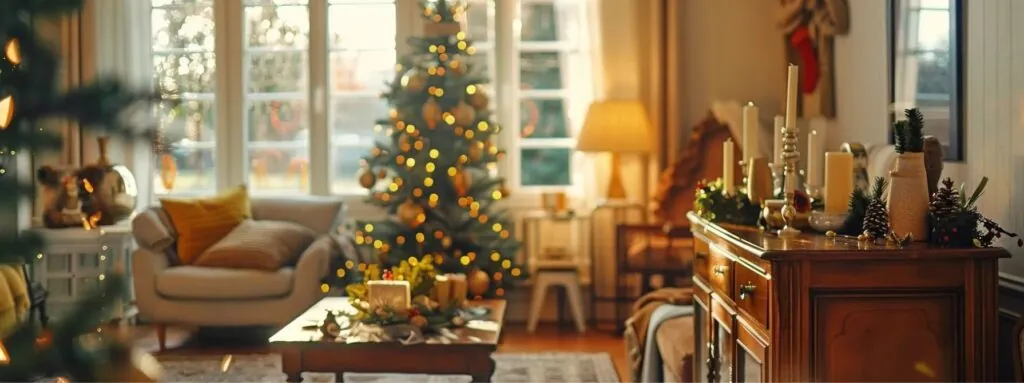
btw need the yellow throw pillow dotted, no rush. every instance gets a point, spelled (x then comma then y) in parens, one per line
(201, 222)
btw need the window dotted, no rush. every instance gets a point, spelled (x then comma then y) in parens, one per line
(288, 104)
(925, 66)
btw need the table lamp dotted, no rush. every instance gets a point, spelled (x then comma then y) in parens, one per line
(616, 127)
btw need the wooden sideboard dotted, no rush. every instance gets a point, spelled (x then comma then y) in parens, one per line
(812, 308)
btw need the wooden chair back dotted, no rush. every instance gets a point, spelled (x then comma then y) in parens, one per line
(701, 161)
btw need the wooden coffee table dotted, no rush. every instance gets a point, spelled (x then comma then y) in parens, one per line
(303, 349)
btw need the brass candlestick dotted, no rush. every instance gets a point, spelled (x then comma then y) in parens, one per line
(790, 162)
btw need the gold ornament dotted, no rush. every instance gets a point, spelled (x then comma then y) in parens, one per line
(478, 282)
(403, 143)
(13, 51)
(464, 114)
(431, 113)
(476, 151)
(414, 80)
(458, 321)
(411, 213)
(366, 179)
(457, 67)
(479, 100)
(418, 321)
(504, 190)
(382, 174)
(461, 181)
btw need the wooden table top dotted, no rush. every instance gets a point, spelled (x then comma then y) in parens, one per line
(479, 332)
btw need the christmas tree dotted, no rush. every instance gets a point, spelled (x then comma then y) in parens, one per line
(29, 95)
(876, 217)
(435, 173)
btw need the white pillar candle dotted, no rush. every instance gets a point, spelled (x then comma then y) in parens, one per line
(728, 166)
(814, 159)
(791, 95)
(751, 132)
(780, 121)
(838, 181)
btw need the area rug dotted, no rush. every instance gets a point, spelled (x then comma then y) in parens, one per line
(510, 367)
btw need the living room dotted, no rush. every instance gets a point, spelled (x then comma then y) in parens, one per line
(510, 190)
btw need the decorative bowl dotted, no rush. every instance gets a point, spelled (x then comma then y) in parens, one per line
(823, 222)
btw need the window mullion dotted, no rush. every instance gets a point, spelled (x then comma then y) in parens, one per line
(409, 23)
(319, 132)
(230, 137)
(506, 79)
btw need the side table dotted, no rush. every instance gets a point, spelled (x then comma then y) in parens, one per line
(76, 260)
(566, 265)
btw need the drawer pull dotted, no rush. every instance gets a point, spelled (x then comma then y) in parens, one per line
(700, 255)
(719, 270)
(746, 290)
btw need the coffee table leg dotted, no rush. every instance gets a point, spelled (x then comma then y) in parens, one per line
(291, 364)
(482, 369)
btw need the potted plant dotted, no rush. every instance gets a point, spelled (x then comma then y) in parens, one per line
(907, 200)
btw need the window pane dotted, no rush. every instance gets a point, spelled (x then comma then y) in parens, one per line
(270, 26)
(479, 20)
(539, 23)
(933, 30)
(361, 71)
(187, 26)
(353, 118)
(546, 167)
(345, 168)
(277, 120)
(543, 119)
(278, 146)
(541, 70)
(362, 26)
(184, 66)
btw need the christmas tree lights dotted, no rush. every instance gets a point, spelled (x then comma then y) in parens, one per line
(435, 173)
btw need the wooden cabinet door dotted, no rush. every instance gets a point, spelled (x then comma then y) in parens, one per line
(702, 344)
(721, 349)
(751, 355)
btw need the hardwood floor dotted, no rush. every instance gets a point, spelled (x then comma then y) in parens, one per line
(548, 338)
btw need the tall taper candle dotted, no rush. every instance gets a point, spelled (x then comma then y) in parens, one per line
(751, 133)
(777, 156)
(838, 181)
(728, 166)
(813, 161)
(791, 95)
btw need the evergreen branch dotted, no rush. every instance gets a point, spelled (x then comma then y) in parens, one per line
(915, 130)
(878, 189)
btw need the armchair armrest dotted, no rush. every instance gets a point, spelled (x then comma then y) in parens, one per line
(312, 265)
(153, 230)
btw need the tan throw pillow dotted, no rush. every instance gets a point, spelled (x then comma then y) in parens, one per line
(260, 245)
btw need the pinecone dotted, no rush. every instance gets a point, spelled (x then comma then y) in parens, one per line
(876, 218)
(945, 201)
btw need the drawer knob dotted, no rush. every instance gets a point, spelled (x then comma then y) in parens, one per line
(746, 290)
(700, 255)
(719, 270)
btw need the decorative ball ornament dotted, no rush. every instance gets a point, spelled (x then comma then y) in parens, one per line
(479, 100)
(418, 321)
(431, 113)
(414, 80)
(464, 114)
(411, 213)
(478, 282)
(382, 174)
(476, 151)
(457, 67)
(461, 181)
(367, 179)
(503, 189)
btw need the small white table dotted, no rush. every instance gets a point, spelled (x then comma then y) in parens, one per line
(76, 260)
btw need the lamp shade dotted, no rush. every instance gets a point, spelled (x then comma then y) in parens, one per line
(616, 126)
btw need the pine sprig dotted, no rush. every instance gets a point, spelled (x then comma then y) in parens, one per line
(878, 189)
(915, 130)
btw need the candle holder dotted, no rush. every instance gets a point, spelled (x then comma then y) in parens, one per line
(790, 161)
(778, 178)
(814, 192)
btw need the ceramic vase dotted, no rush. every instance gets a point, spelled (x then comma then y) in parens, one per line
(110, 191)
(907, 200)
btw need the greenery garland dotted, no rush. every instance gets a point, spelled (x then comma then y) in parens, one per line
(714, 205)
(424, 312)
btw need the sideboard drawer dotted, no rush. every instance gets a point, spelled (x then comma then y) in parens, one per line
(701, 253)
(751, 294)
(721, 266)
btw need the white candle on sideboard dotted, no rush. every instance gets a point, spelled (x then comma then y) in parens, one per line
(780, 121)
(813, 159)
(791, 95)
(838, 181)
(751, 133)
(728, 165)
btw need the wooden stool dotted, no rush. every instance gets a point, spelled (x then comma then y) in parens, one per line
(567, 279)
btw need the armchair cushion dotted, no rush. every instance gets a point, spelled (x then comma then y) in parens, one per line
(260, 245)
(210, 283)
(322, 215)
(202, 222)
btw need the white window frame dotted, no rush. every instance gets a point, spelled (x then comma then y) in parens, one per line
(504, 48)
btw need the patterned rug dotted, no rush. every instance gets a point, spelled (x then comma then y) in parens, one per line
(511, 367)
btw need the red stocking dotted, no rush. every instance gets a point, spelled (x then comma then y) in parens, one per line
(800, 40)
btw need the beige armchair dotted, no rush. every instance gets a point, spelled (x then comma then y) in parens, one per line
(204, 296)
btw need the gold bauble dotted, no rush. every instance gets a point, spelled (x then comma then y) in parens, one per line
(367, 179)
(414, 80)
(431, 113)
(504, 190)
(457, 67)
(418, 321)
(411, 213)
(476, 151)
(382, 174)
(464, 114)
(478, 282)
(461, 182)
(479, 100)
